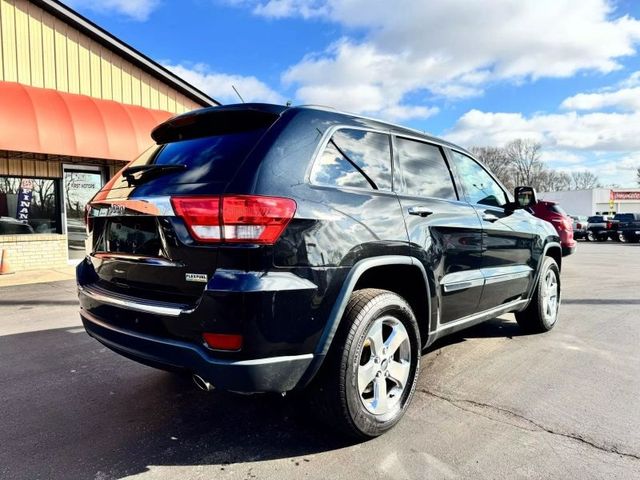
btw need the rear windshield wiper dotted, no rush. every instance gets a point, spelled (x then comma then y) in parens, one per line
(148, 172)
(355, 165)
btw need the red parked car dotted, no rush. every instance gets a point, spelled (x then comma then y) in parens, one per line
(563, 223)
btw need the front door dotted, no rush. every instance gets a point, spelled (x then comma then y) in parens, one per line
(444, 232)
(80, 184)
(507, 238)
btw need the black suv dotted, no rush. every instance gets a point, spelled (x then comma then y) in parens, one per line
(262, 248)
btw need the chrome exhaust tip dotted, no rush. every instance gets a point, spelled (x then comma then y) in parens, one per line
(201, 383)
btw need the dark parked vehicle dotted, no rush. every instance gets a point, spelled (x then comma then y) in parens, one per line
(600, 228)
(628, 227)
(266, 249)
(563, 223)
(11, 226)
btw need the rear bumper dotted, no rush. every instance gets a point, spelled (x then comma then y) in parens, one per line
(568, 250)
(272, 374)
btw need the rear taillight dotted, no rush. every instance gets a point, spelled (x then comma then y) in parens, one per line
(235, 218)
(609, 225)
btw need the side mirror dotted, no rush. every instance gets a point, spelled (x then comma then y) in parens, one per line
(525, 196)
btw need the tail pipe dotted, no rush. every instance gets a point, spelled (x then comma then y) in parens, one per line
(201, 383)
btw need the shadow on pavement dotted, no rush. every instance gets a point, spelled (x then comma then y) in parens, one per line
(601, 301)
(71, 408)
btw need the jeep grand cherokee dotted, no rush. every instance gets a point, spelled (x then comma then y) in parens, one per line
(262, 248)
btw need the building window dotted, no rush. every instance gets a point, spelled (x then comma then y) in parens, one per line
(29, 205)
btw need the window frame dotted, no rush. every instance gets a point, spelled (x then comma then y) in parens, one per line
(399, 179)
(507, 196)
(322, 145)
(58, 204)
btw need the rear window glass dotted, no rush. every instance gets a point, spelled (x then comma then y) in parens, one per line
(595, 219)
(207, 159)
(355, 158)
(624, 217)
(558, 209)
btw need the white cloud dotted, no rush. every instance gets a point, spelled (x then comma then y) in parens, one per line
(450, 48)
(290, 8)
(593, 131)
(135, 9)
(624, 99)
(562, 158)
(220, 85)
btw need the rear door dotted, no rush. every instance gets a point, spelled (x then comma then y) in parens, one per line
(444, 232)
(139, 246)
(508, 235)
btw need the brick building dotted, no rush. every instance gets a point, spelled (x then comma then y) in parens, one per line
(76, 103)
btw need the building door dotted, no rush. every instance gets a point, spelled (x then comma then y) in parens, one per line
(80, 184)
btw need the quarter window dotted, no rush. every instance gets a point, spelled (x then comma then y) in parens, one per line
(424, 170)
(355, 158)
(478, 185)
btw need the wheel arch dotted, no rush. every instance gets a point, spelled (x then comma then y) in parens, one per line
(376, 272)
(551, 249)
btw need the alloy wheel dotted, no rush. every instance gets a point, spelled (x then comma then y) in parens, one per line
(550, 296)
(384, 366)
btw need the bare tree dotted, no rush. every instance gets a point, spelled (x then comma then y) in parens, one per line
(583, 180)
(496, 160)
(524, 156)
(549, 180)
(519, 163)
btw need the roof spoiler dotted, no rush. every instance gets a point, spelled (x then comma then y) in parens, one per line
(217, 121)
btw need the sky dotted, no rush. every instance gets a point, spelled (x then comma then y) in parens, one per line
(565, 73)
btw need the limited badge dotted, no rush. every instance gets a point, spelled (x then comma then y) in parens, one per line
(196, 277)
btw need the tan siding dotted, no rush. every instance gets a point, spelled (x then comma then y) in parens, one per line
(72, 61)
(1, 54)
(116, 81)
(48, 53)
(136, 88)
(35, 46)
(22, 45)
(9, 53)
(62, 73)
(38, 49)
(144, 91)
(126, 83)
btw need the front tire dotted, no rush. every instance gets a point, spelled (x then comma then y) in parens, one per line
(370, 374)
(541, 314)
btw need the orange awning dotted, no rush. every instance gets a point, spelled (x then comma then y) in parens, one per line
(41, 120)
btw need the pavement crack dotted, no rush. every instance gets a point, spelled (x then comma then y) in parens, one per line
(535, 426)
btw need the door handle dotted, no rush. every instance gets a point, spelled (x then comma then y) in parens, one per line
(420, 211)
(490, 217)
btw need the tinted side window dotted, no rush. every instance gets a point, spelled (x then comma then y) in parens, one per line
(424, 170)
(355, 158)
(478, 185)
(558, 209)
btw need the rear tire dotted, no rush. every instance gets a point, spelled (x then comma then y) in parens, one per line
(371, 371)
(541, 314)
(591, 237)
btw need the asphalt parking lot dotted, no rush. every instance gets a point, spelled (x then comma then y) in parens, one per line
(491, 403)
